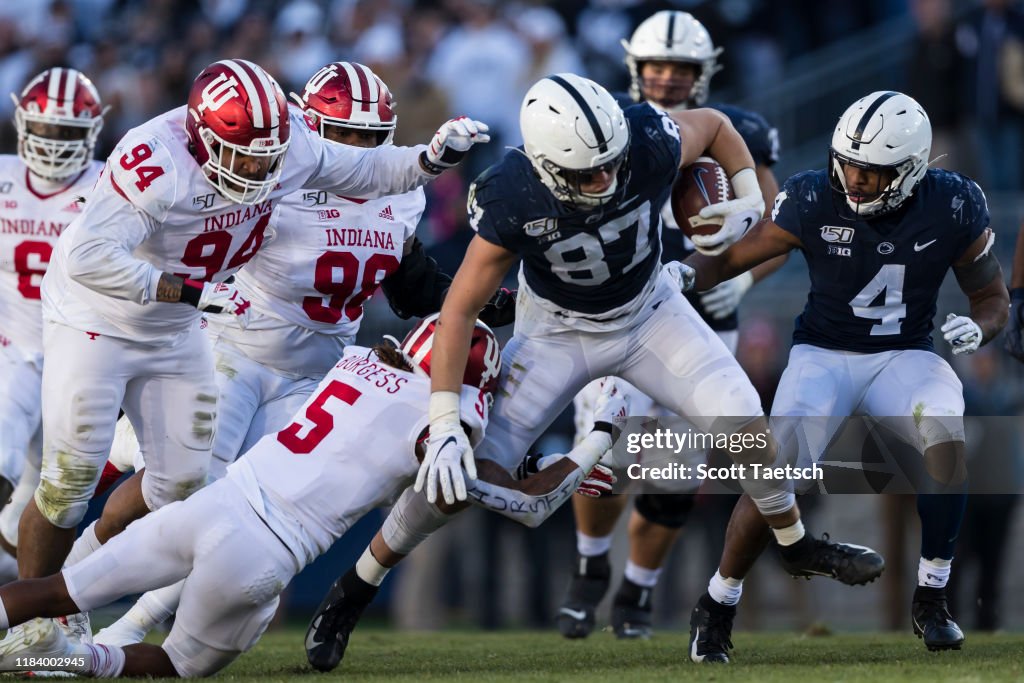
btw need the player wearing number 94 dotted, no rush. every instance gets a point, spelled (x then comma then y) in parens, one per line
(879, 231)
(182, 204)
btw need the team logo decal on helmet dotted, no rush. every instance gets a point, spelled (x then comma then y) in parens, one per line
(349, 95)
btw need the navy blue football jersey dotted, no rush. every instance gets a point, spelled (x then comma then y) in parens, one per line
(762, 140)
(585, 261)
(874, 283)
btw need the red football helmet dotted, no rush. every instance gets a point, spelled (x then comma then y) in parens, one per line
(484, 361)
(58, 118)
(349, 95)
(238, 116)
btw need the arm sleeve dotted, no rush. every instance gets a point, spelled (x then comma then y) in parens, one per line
(532, 509)
(417, 288)
(358, 172)
(100, 251)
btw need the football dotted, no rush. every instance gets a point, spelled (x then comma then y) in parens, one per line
(702, 183)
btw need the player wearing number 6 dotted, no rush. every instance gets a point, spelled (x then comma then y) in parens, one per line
(58, 117)
(183, 203)
(879, 231)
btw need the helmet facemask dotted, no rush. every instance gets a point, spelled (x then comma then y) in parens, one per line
(223, 157)
(59, 157)
(567, 184)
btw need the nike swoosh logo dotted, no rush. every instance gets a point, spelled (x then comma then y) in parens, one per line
(311, 641)
(693, 648)
(450, 439)
(578, 615)
(748, 222)
(922, 247)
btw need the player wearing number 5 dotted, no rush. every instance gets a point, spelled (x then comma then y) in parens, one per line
(58, 117)
(183, 203)
(879, 231)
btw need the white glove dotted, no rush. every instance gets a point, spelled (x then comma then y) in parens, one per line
(612, 405)
(451, 142)
(721, 300)
(222, 297)
(448, 451)
(738, 215)
(962, 333)
(683, 275)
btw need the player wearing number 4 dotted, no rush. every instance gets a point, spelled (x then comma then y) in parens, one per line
(183, 203)
(58, 117)
(307, 287)
(351, 448)
(580, 204)
(879, 231)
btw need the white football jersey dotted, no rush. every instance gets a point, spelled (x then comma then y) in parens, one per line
(153, 211)
(350, 449)
(326, 257)
(33, 214)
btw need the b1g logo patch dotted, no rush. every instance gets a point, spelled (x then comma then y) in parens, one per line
(835, 234)
(833, 250)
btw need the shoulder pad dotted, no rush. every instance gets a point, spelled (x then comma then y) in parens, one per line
(143, 172)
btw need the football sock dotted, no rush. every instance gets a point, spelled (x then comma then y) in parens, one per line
(933, 573)
(790, 534)
(725, 591)
(589, 546)
(106, 661)
(641, 576)
(84, 546)
(370, 570)
(941, 515)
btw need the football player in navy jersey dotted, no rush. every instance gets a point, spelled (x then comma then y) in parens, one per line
(879, 231)
(580, 205)
(671, 59)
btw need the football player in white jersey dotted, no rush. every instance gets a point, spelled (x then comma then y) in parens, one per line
(58, 117)
(280, 507)
(307, 287)
(183, 203)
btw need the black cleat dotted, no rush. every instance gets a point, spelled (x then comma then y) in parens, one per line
(589, 583)
(335, 619)
(711, 631)
(933, 622)
(853, 565)
(631, 611)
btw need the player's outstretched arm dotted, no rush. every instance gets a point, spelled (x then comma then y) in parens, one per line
(981, 278)
(763, 242)
(448, 450)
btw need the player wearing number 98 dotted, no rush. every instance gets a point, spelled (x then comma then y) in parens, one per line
(58, 117)
(183, 203)
(879, 231)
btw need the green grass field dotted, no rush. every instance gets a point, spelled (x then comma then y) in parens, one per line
(382, 655)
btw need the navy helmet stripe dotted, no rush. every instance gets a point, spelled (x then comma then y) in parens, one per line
(866, 118)
(602, 144)
(671, 29)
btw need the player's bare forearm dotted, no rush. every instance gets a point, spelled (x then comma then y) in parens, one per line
(169, 288)
(709, 132)
(1017, 276)
(765, 269)
(764, 242)
(528, 501)
(990, 308)
(479, 275)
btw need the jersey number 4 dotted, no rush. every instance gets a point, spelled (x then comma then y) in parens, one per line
(891, 312)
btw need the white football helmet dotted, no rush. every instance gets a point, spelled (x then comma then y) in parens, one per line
(885, 130)
(672, 37)
(573, 128)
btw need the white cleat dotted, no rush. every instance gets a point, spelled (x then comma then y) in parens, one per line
(39, 639)
(77, 628)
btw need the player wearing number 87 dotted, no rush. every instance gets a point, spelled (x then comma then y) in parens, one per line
(183, 203)
(57, 116)
(879, 231)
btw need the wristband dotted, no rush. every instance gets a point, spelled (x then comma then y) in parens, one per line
(191, 292)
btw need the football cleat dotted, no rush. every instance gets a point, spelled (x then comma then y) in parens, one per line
(77, 627)
(631, 611)
(933, 622)
(853, 565)
(38, 639)
(335, 619)
(711, 631)
(590, 579)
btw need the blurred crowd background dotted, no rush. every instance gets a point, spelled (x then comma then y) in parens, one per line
(798, 62)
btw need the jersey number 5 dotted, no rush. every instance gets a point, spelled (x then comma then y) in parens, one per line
(322, 421)
(892, 310)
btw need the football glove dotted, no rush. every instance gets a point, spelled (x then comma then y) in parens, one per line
(598, 482)
(683, 275)
(501, 309)
(217, 297)
(451, 142)
(962, 333)
(1014, 343)
(448, 451)
(738, 215)
(721, 300)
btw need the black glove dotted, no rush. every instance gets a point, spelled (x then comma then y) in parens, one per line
(1014, 343)
(501, 309)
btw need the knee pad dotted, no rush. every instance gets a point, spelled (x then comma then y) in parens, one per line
(667, 509)
(162, 488)
(411, 521)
